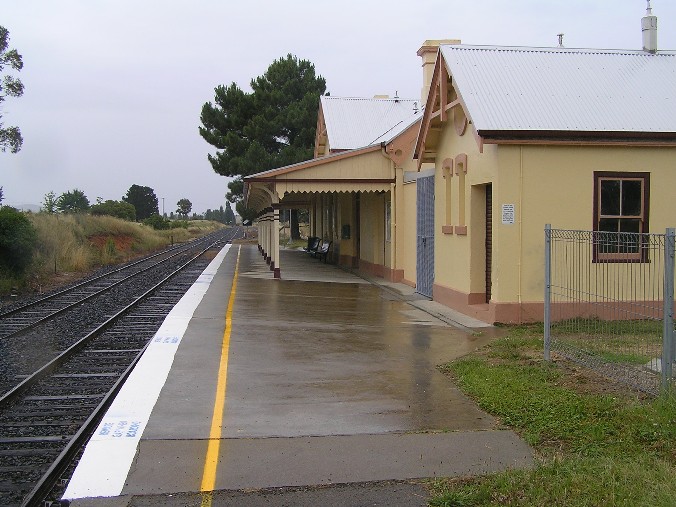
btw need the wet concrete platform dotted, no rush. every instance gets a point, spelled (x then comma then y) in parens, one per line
(330, 380)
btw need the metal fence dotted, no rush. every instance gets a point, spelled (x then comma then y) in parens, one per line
(609, 304)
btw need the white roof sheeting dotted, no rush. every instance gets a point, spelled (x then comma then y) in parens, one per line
(559, 89)
(358, 122)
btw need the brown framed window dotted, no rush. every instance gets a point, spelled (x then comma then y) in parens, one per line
(621, 204)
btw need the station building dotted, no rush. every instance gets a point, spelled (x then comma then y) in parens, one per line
(450, 193)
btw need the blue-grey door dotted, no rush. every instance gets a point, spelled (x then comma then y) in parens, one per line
(425, 234)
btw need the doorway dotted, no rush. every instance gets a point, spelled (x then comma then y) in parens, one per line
(425, 235)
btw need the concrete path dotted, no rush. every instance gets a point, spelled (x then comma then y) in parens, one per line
(330, 381)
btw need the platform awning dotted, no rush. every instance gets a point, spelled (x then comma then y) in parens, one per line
(362, 170)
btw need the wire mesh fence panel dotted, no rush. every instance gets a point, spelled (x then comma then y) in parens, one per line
(605, 303)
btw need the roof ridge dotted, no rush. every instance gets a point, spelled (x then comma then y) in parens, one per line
(564, 90)
(544, 49)
(392, 99)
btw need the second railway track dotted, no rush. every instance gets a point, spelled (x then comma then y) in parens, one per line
(21, 317)
(47, 413)
(32, 334)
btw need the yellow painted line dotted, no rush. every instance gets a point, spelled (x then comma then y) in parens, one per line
(211, 460)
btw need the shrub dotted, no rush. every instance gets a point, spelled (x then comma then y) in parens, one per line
(157, 222)
(179, 224)
(74, 201)
(17, 240)
(118, 209)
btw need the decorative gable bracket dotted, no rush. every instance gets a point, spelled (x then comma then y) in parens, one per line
(441, 100)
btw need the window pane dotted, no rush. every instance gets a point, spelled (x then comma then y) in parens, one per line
(610, 197)
(630, 225)
(629, 240)
(609, 224)
(631, 198)
(608, 240)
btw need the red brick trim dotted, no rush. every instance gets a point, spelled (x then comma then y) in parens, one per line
(372, 269)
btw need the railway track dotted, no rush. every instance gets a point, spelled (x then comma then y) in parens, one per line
(47, 413)
(21, 317)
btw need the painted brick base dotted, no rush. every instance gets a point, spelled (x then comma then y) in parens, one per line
(391, 275)
(474, 305)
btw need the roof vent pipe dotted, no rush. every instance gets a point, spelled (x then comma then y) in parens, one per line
(649, 29)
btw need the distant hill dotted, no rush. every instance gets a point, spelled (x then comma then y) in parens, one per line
(24, 207)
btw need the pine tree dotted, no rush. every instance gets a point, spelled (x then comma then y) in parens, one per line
(270, 127)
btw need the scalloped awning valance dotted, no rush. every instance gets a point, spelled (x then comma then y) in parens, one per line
(363, 170)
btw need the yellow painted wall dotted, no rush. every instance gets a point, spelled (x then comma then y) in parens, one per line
(459, 259)
(387, 250)
(347, 216)
(406, 228)
(557, 188)
(546, 184)
(371, 165)
(407, 238)
(372, 223)
(318, 217)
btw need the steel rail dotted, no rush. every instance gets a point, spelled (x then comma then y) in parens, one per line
(89, 296)
(83, 283)
(49, 367)
(48, 481)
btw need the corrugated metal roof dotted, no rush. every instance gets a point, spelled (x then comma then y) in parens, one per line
(357, 122)
(560, 89)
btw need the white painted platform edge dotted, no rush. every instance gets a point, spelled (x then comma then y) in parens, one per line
(104, 466)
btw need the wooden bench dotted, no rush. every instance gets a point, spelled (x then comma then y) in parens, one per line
(312, 244)
(323, 250)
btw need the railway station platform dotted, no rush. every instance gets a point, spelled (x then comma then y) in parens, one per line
(319, 388)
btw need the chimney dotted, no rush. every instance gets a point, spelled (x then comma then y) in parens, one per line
(428, 53)
(649, 29)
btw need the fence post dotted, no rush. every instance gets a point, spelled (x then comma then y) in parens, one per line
(668, 332)
(548, 283)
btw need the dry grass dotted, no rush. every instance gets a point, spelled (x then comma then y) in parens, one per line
(76, 244)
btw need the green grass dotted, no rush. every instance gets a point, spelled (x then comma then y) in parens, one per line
(592, 449)
(623, 357)
(77, 243)
(614, 327)
(585, 481)
(623, 341)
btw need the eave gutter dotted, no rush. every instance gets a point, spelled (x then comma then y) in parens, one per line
(273, 179)
(578, 137)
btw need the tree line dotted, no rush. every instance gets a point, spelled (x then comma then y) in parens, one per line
(139, 204)
(272, 126)
(18, 235)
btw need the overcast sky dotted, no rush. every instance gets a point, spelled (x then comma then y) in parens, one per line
(114, 88)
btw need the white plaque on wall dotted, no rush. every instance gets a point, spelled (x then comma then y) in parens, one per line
(508, 214)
